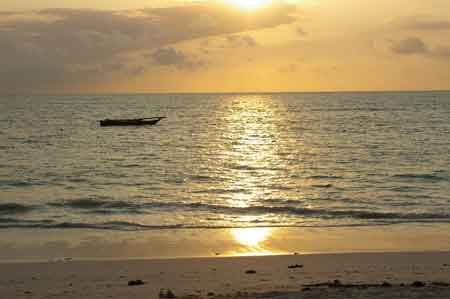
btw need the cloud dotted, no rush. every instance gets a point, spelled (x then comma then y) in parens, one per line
(172, 57)
(168, 56)
(442, 51)
(424, 23)
(301, 32)
(44, 50)
(416, 46)
(232, 41)
(409, 46)
(418, 36)
(290, 68)
(238, 41)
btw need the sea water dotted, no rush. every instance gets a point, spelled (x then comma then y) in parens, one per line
(225, 161)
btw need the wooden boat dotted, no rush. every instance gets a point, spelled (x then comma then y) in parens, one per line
(131, 122)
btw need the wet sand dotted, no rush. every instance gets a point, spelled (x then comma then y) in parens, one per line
(354, 275)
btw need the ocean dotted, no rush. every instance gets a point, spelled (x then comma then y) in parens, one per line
(225, 161)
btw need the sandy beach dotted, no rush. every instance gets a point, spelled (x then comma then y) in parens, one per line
(355, 275)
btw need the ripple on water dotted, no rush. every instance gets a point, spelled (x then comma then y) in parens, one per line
(290, 159)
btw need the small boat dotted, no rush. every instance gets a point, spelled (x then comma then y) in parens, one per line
(131, 122)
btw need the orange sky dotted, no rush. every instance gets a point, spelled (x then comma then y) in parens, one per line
(221, 46)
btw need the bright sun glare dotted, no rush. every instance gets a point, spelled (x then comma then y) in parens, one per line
(249, 4)
(251, 237)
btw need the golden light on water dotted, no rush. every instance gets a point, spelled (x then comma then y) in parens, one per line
(251, 125)
(249, 4)
(251, 237)
(251, 241)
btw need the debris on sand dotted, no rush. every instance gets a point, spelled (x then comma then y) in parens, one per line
(338, 284)
(295, 266)
(250, 272)
(170, 294)
(166, 294)
(440, 284)
(136, 282)
(418, 284)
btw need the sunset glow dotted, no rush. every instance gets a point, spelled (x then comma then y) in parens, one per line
(223, 46)
(249, 4)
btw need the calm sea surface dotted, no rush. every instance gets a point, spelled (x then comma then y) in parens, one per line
(301, 160)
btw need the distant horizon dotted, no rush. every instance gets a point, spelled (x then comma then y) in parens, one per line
(227, 93)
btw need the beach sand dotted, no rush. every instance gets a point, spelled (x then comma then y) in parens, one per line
(354, 275)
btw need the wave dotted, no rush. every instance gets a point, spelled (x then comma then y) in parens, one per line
(14, 222)
(202, 178)
(7, 223)
(365, 109)
(14, 208)
(406, 189)
(420, 176)
(333, 214)
(222, 191)
(86, 203)
(100, 206)
(245, 167)
(324, 186)
(277, 187)
(20, 184)
(103, 206)
(325, 177)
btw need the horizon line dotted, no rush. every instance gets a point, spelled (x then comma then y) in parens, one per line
(223, 92)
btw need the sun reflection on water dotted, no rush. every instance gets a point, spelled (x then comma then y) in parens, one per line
(251, 150)
(251, 155)
(250, 237)
(251, 240)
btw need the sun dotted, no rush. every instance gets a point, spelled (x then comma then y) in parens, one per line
(249, 4)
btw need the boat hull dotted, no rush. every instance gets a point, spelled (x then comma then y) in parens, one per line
(130, 122)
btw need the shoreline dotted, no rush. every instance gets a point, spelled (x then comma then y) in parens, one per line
(63, 260)
(45, 245)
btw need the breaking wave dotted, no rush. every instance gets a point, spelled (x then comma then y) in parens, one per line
(14, 208)
(102, 206)
(7, 223)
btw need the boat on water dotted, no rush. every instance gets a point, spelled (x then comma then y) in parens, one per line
(149, 121)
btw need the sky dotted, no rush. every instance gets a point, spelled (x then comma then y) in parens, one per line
(114, 46)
